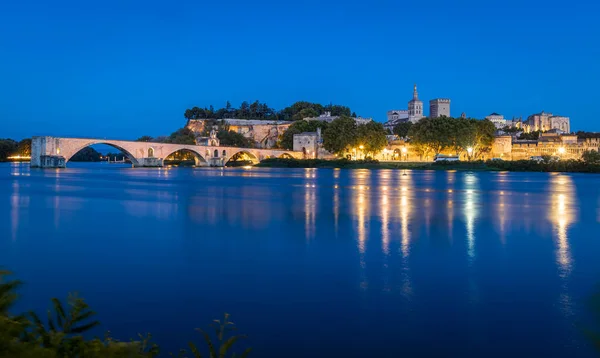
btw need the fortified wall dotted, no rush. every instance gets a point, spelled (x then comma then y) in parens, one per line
(264, 133)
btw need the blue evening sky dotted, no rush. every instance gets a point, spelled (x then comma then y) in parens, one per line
(122, 69)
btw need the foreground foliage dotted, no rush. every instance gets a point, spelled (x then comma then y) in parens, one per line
(61, 334)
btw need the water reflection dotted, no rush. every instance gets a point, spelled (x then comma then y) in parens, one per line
(310, 211)
(562, 214)
(405, 211)
(470, 211)
(384, 206)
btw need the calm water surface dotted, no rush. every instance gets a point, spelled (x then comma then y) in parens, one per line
(314, 263)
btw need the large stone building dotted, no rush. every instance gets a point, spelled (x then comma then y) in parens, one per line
(498, 120)
(395, 117)
(311, 145)
(439, 107)
(565, 146)
(415, 107)
(264, 133)
(544, 122)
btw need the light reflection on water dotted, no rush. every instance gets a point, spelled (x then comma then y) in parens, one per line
(447, 251)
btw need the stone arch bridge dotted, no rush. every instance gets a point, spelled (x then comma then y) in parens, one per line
(55, 152)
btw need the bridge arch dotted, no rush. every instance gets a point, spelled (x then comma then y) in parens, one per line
(242, 154)
(70, 153)
(199, 160)
(286, 155)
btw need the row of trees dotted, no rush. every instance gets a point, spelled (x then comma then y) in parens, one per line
(261, 111)
(431, 136)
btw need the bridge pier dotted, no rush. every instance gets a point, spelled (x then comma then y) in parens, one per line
(149, 163)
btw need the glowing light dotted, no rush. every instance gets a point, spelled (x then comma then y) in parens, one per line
(561, 150)
(18, 157)
(404, 150)
(470, 150)
(247, 167)
(361, 147)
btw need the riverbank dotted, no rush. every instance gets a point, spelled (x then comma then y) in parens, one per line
(572, 166)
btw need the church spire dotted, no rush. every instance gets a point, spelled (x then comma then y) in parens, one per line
(415, 93)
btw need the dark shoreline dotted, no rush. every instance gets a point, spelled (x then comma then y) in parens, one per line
(567, 166)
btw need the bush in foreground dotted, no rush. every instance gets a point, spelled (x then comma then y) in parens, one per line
(61, 334)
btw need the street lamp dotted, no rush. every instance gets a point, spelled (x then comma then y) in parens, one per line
(361, 149)
(404, 151)
(469, 151)
(561, 150)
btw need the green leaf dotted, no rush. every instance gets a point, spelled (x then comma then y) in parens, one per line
(194, 350)
(246, 352)
(51, 325)
(227, 345)
(85, 327)
(211, 348)
(59, 310)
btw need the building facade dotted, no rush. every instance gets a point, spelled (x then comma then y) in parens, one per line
(309, 143)
(498, 120)
(439, 107)
(546, 121)
(565, 146)
(395, 117)
(415, 107)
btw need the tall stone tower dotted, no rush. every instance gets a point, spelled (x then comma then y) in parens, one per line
(439, 107)
(415, 107)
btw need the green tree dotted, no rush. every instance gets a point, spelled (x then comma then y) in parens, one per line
(87, 154)
(145, 138)
(233, 139)
(430, 136)
(340, 135)
(7, 148)
(24, 147)
(484, 137)
(182, 136)
(535, 135)
(591, 157)
(372, 136)
(402, 129)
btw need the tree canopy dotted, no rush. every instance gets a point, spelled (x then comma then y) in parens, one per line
(7, 148)
(261, 111)
(435, 135)
(591, 157)
(340, 134)
(402, 129)
(181, 136)
(531, 135)
(372, 136)
(233, 139)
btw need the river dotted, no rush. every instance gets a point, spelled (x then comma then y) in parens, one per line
(313, 262)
